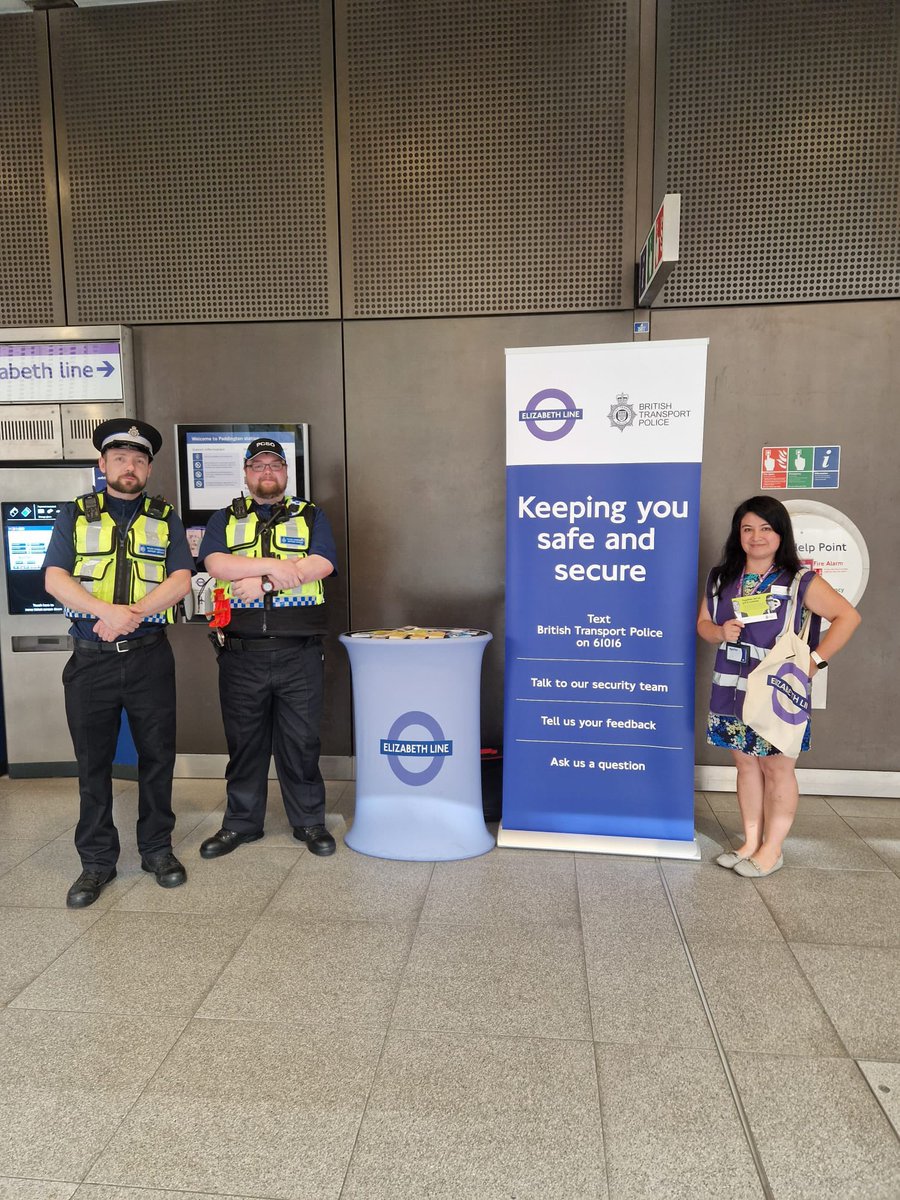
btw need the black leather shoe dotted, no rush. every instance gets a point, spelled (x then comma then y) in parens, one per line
(165, 866)
(318, 839)
(88, 886)
(225, 841)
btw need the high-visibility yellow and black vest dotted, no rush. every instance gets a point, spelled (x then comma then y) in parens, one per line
(286, 534)
(121, 569)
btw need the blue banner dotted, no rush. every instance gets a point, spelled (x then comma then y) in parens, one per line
(601, 596)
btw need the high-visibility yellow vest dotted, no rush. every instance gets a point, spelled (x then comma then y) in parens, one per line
(286, 534)
(121, 570)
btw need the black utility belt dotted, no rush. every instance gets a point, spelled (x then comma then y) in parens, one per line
(287, 642)
(125, 646)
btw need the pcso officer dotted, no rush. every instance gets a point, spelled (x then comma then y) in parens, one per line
(269, 554)
(118, 561)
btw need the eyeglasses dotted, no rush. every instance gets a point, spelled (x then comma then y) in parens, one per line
(259, 468)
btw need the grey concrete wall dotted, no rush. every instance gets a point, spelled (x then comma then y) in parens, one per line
(251, 372)
(818, 374)
(426, 469)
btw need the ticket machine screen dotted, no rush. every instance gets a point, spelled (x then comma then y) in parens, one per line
(27, 525)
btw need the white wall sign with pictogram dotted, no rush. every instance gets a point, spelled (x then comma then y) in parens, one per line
(835, 549)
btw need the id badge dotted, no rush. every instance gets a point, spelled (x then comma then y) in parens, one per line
(737, 652)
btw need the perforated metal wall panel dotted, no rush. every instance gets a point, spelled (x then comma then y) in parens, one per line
(197, 158)
(30, 433)
(29, 235)
(483, 154)
(778, 123)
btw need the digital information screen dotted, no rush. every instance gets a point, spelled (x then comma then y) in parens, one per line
(211, 464)
(27, 525)
(216, 463)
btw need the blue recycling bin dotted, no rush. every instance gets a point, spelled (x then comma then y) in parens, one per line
(417, 711)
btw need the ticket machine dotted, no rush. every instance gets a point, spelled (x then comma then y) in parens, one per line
(33, 638)
(56, 386)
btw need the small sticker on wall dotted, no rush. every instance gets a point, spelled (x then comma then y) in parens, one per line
(800, 467)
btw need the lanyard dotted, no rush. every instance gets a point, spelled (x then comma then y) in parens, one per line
(759, 583)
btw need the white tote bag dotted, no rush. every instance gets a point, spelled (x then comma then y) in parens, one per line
(777, 702)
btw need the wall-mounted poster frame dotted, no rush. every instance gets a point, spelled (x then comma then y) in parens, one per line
(211, 460)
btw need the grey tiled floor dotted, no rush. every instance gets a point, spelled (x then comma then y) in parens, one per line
(522, 1026)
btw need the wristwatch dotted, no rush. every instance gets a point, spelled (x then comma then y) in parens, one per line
(267, 585)
(821, 663)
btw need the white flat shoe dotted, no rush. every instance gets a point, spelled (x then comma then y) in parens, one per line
(750, 869)
(730, 860)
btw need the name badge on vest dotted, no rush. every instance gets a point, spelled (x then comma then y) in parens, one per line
(737, 652)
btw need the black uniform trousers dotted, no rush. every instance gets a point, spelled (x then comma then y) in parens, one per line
(272, 705)
(98, 685)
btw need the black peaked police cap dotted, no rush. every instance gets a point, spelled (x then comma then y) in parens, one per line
(127, 433)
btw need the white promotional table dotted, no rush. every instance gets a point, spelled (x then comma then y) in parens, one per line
(417, 712)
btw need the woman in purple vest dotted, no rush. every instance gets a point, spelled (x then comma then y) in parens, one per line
(760, 557)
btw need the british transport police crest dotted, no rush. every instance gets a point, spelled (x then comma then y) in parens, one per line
(621, 414)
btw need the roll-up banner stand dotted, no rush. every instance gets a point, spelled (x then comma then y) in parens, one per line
(603, 490)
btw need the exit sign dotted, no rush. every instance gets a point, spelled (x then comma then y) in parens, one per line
(660, 252)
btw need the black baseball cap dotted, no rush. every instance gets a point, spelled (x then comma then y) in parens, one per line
(127, 433)
(264, 445)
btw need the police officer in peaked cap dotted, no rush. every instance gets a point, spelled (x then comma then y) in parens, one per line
(118, 562)
(126, 432)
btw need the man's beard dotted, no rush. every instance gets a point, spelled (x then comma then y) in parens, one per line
(130, 486)
(265, 490)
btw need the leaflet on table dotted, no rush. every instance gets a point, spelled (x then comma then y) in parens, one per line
(417, 633)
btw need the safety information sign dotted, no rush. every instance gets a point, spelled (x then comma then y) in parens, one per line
(800, 467)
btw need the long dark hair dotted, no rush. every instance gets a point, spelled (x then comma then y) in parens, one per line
(773, 512)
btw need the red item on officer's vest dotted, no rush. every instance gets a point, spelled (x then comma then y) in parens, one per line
(221, 610)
